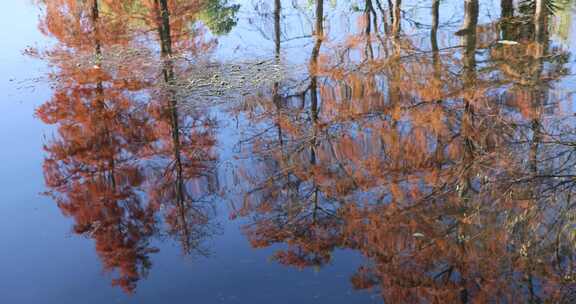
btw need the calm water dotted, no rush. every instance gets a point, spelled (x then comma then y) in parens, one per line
(276, 151)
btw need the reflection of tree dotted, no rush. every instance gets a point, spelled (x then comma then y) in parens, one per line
(92, 168)
(454, 191)
(218, 16)
(185, 143)
(290, 206)
(120, 159)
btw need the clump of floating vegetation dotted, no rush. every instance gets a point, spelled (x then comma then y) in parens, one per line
(194, 82)
(211, 83)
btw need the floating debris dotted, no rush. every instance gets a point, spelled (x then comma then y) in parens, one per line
(508, 42)
(199, 82)
(210, 83)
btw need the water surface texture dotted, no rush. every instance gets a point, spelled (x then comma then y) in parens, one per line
(288, 151)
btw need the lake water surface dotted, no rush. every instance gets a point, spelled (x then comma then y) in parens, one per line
(288, 151)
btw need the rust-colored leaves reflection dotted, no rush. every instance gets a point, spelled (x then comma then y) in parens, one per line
(125, 165)
(451, 170)
(440, 153)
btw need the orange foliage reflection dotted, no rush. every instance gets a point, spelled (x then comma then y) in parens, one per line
(450, 170)
(123, 157)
